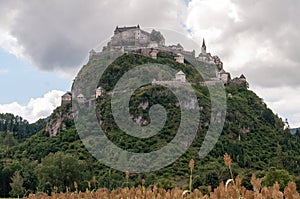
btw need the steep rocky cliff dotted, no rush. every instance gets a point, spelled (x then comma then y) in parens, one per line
(60, 120)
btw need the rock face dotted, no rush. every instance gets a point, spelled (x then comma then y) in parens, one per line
(60, 120)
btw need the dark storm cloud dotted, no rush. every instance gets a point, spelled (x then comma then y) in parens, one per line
(58, 34)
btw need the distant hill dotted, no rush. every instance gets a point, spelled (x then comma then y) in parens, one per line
(20, 127)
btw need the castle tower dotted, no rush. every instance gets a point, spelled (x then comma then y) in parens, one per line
(66, 98)
(80, 99)
(92, 54)
(242, 77)
(180, 76)
(203, 48)
(99, 92)
(179, 58)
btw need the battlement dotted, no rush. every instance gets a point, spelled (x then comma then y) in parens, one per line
(122, 29)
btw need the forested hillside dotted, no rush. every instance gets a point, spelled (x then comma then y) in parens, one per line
(253, 135)
(15, 129)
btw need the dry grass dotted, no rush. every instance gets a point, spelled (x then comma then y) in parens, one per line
(231, 191)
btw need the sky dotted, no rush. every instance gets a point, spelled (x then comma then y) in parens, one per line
(43, 44)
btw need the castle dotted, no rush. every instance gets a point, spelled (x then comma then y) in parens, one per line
(135, 40)
(128, 39)
(134, 36)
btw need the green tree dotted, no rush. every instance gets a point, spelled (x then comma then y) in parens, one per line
(279, 175)
(16, 185)
(28, 174)
(2, 135)
(60, 170)
(9, 168)
(9, 140)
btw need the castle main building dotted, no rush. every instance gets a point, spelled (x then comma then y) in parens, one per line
(135, 36)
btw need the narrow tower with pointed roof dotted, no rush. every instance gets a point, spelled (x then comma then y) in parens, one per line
(203, 48)
(205, 56)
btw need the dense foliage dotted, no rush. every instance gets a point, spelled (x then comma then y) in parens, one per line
(20, 128)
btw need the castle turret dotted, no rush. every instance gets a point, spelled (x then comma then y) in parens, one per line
(92, 54)
(203, 48)
(66, 98)
(179, 58)
(80, 98)
(180, 76)
(242, 77)
(99, 92)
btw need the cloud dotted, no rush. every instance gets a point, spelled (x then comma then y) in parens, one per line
(247, 35)
(259, 38)
(57, 35)
(284, 101)
(7, 41)
(272, 73)
(36, 108)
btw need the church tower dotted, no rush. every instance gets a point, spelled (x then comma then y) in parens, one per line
(203, 48)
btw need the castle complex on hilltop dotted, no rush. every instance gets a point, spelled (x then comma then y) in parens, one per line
(135, 40)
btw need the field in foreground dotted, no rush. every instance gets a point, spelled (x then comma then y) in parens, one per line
(232, 189)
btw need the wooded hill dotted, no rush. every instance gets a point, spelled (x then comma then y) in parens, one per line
(253, 135)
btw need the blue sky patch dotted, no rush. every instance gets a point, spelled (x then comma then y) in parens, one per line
(20, 80)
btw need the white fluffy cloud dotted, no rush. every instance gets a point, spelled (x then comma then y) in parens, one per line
(36, 108)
